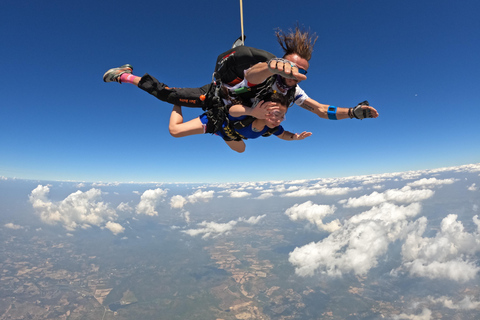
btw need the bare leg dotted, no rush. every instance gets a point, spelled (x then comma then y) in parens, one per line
(136, 80)
(179, 129)
(238, 146)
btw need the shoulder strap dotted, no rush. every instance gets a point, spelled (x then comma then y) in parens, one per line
(270, 132)
(240, 124)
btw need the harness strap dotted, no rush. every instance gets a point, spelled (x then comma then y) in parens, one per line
(231, 134)
(270, 132)
(240, 124)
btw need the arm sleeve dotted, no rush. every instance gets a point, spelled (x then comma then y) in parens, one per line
(300, 96)
(279, 131)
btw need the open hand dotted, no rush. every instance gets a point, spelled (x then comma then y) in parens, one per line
(301, 136)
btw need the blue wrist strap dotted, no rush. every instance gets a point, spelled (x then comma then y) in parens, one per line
(332, 113)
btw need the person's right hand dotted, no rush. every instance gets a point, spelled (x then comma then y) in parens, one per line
(286, 69)
(263, 108)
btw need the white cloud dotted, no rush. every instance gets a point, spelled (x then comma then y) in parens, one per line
(336, 191)
(319, 189)
(116, 228)
(105, 184)
(253, 219)
(304, 192)
(125, 207)
(200, 195)
(214, 229)
(374, 180)
(211, 229)
(314, 214)
(12, 226)
(149, 200)
(466, 303)
(186, 216)
(456, 270)
(357, 245)
(410, 175)
(430, 182)
(177, 202)
(448, 255)
(301, 181)
(404, 195)
(239, 194)
(473, 187)
(281, 188)
(79, 209)
(265, 195)
(469, 168)
(425, 315)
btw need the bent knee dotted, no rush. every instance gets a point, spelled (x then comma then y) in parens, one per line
(240, 149)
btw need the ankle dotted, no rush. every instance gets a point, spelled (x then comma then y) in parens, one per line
(129, 78)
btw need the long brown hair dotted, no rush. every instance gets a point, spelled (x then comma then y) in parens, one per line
(297, 41)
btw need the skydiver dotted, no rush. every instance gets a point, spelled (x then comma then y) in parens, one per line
(242, 123)
(287, 73)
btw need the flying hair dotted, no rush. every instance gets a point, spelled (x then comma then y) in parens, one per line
(298, 41)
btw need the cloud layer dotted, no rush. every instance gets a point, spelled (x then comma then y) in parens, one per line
(357, 245)
(79, 209)
(363, 218)
(449, 255)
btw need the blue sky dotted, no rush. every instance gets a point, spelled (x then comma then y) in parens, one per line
(415, 61)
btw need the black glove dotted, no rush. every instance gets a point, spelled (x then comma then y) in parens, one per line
(360, 113)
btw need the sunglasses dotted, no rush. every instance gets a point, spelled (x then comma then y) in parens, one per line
(302, 71)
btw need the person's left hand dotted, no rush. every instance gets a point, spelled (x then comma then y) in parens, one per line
(301, 136)
(373, 111)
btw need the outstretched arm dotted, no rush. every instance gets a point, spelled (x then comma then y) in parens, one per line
(322, 110)
(289, 136)
(261, 71)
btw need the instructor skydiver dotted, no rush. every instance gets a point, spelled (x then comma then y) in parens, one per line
(284, 75)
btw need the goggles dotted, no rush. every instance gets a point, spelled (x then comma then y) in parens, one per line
(277, 115)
